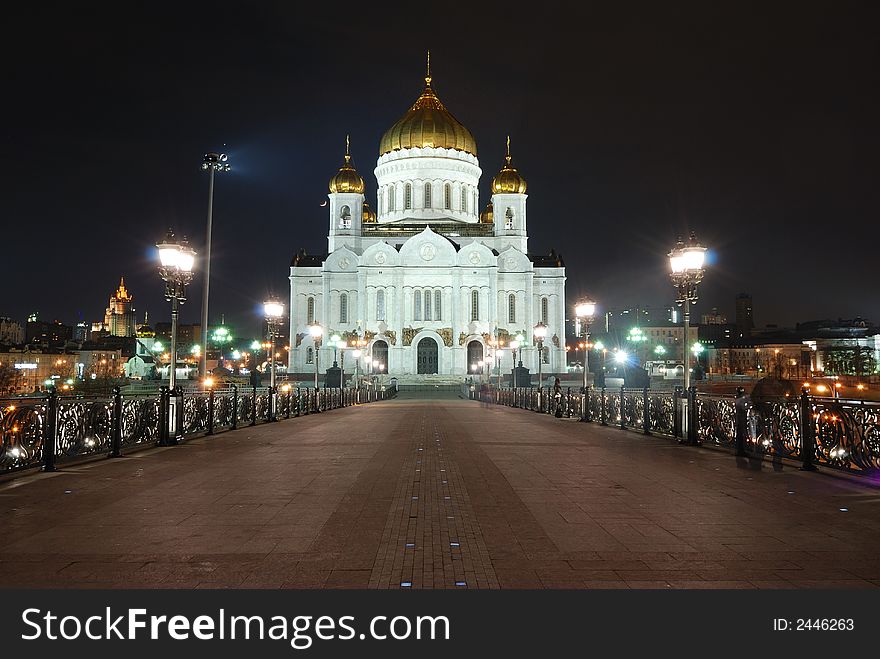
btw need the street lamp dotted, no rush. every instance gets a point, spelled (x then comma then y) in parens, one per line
(540, 334)
(584, 312)
(213, 162)
(356, 353)
(342, 345)
(686, 270)
(316, 332)
(514, 346)
(176, 259)
(273, 310)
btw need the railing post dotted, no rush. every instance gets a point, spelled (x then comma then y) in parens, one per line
(234, 406)
(588, 414)
(603, 414)
(50, 439)
(741, 422)
(808, 431)
(676, 412)
(288, 403)
(568, 403)
(117, 423)
(163, 416)
(622, 408)
(254, 407)
(646, 410)
(211, 411)
(178, 415)
(692, 416)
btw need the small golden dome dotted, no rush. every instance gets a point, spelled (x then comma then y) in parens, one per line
(428, 124)
(508, 180)
(347, 179)
(488, 214)
(368, 215)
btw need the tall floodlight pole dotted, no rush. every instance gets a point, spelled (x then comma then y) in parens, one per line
(584, 311)
(686, 269)
(213, 162)
(273, 311)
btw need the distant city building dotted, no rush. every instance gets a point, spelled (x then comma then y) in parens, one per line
(624, 319)
(187, 335)
(47, 334)
(713, 318)
(745, 321)
(81, 332)
(11, 331)
(119, 318)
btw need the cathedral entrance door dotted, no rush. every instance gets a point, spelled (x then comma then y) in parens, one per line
(426, 355)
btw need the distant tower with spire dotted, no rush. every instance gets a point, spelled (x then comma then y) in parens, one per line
(119, 317)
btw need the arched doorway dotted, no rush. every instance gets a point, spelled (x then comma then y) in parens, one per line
(426, 356)
(475, 355)
(380, 354)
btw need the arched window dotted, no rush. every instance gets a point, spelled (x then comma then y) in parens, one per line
(310, 356)
(417, 305)
(391, 198)
(310, 311)
(427, 195)
(343, 308)
(511, 308)
(345, 217)
(475, 304)
(407, 196)
(474, 205)
(508, 219)
(381, 201)
(428, 305)
(545, 308)
(447, 196)
(380, 305)
(438, 296)
(546, 354)
(463, 199)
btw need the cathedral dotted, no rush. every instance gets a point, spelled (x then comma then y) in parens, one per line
(427, 283)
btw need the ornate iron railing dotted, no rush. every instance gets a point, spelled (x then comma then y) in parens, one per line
(839, 433)
(42, 431)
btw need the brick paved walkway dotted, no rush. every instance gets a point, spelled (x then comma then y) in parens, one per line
(436, 494)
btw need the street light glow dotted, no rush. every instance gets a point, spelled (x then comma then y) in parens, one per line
(620, 357)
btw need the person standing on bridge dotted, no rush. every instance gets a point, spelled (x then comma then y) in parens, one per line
(557, 398)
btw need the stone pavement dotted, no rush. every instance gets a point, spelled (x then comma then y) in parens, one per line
(436, 494)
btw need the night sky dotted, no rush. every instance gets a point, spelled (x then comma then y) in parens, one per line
(753, 124)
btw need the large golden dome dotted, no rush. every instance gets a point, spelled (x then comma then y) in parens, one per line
(347, 179)
(428, 124)
(508, 180)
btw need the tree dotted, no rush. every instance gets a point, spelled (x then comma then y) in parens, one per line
(10, 380)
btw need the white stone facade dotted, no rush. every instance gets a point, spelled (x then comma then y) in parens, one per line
(427, 282)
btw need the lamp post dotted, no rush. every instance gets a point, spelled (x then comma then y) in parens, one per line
(356, 353)
(316, 332)
(540, 334)
(213, 162)
(686, 270)
(584, 312)
(342, 345)
(274, 311)
(514, 346)
(176, 261)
